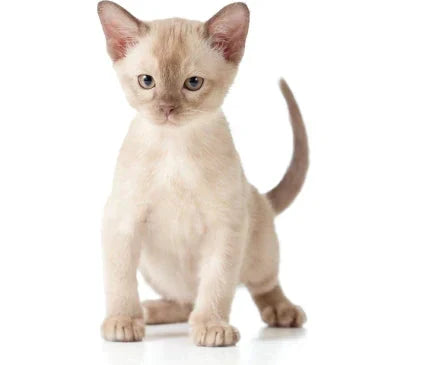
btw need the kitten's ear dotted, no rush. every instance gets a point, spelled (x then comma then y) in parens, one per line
(121, 28)
(228, 29)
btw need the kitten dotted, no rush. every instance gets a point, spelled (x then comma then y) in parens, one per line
(181, 210)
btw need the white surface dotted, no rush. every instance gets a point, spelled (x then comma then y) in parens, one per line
(356, 245)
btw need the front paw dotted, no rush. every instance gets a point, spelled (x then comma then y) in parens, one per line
(215, 333)
(123, 329)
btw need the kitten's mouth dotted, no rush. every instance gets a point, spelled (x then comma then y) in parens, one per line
(168, 120)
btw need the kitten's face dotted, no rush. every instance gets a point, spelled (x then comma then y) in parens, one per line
(175, 70)
(174, 67)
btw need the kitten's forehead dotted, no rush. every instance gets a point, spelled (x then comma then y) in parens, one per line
(174, 42)
(175, 35)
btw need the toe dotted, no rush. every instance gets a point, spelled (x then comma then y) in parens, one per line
(300, 317)
(128, 333)
(268, 315)
(219, 337)
(138, 329)
(232, 336)
(285, 315)
(210, 338)
(119, 333)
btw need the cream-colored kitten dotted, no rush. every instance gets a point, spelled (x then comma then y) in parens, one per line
(181, 210)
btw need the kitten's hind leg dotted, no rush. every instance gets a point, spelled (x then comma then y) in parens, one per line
(161, 311)
(260, 274)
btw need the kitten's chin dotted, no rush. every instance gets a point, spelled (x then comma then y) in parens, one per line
(164, 122)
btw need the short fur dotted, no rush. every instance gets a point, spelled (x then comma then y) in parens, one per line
(181, 210)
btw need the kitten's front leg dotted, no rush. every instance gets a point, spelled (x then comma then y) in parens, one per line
(121, 247)
(220, 266)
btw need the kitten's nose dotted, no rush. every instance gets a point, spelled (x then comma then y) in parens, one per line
(166, 109)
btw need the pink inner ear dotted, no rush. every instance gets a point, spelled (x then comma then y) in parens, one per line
(118, 42)
(221, 43)
(231, 46)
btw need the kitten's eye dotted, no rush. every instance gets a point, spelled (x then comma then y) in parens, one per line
(194, 83)
(146, 81)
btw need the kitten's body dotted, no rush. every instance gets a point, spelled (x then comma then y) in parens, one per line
(181, 210)
(182, 192)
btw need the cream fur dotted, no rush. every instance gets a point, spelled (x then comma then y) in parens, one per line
(181, 211)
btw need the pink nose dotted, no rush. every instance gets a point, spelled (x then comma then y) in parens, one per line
(166, 109)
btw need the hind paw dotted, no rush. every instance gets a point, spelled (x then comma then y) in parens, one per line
(283, 314)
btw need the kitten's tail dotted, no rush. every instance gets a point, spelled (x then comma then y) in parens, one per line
(285, 192)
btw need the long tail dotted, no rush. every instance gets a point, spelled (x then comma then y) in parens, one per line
(285, 192)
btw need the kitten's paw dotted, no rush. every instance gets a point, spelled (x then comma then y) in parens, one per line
(123, 329)
(283, 314)
(215, 333)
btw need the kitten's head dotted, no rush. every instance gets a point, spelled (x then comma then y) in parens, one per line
(175, 70)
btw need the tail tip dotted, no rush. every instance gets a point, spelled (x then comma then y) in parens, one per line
(283, 84)
(285, 89)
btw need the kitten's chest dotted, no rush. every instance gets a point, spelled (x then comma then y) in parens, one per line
(176, 195)
(176, 170)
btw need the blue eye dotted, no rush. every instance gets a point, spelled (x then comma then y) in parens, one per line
(146, 81)
(194, 83)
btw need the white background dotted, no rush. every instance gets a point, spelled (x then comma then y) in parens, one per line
(356, 244)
